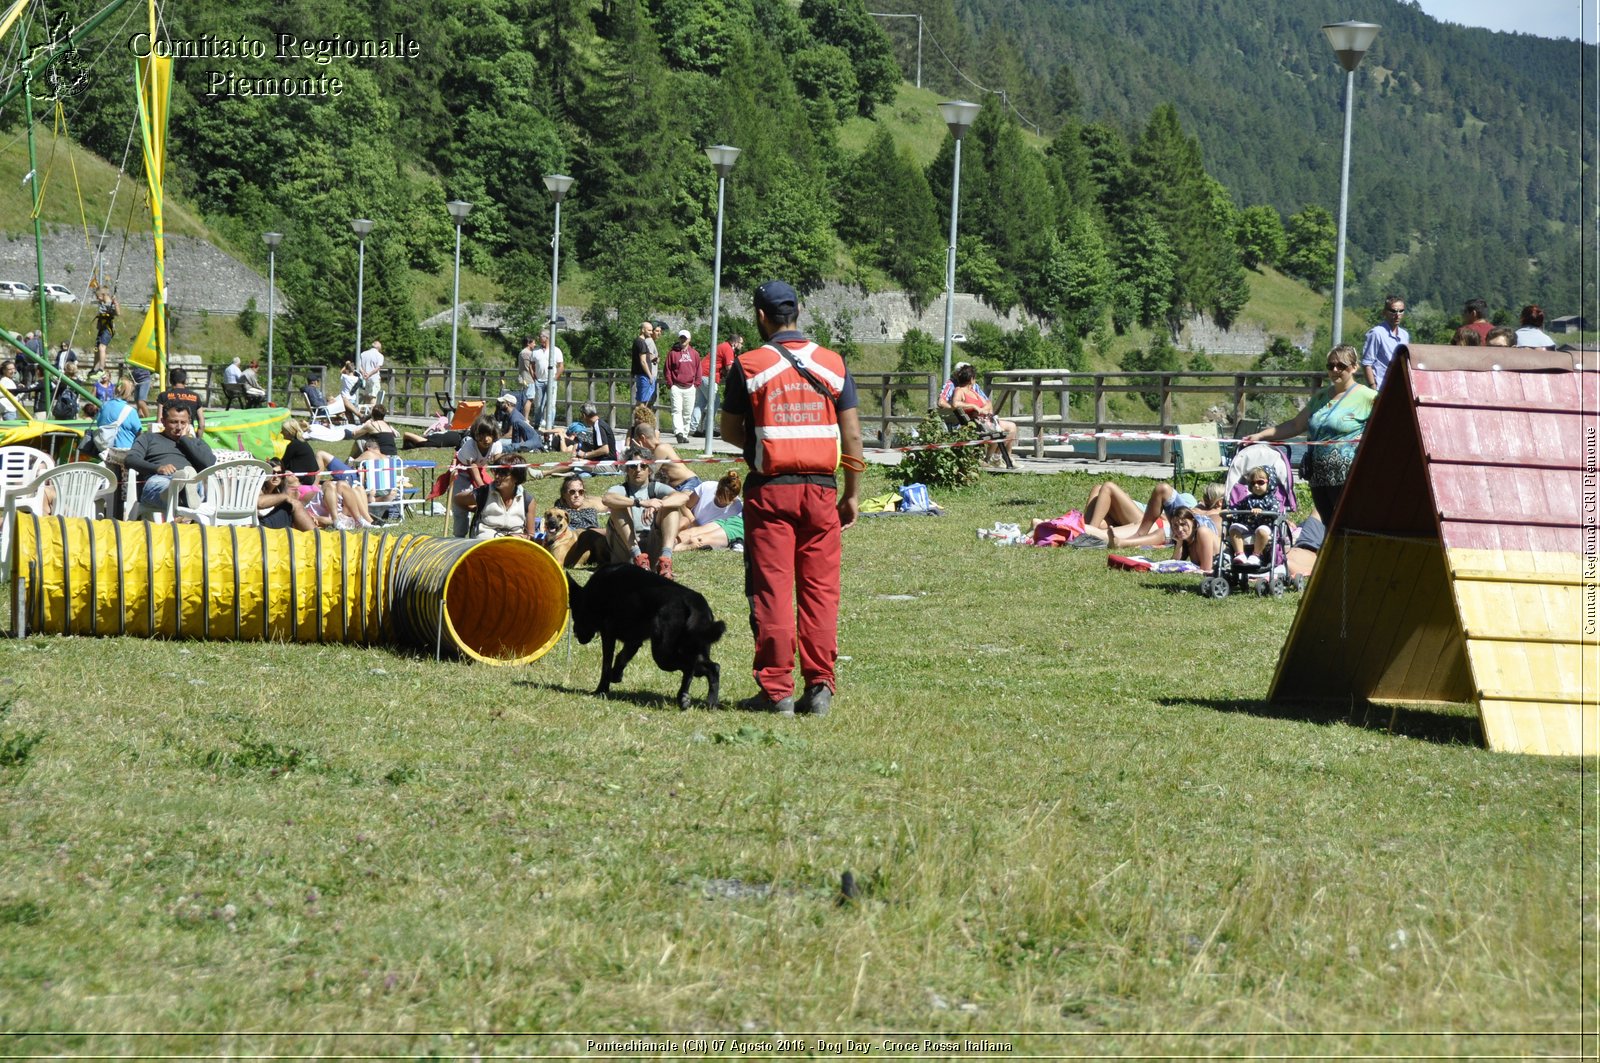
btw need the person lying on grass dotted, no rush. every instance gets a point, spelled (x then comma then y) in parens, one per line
(710, 516)
(1112, 518)
(1195, 537)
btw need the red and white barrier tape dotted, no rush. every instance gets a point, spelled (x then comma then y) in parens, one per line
(581, 463)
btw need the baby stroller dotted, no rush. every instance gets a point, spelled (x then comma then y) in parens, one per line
(1228, 575)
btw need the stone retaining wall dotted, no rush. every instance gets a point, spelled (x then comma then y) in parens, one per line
(199, 275)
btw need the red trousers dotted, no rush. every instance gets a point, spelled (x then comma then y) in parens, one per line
(792, 550)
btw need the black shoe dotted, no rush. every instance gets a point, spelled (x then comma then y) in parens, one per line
(762, 703)
(816, 701)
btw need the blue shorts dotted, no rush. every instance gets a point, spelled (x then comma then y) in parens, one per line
(644, 389)
(104, 339)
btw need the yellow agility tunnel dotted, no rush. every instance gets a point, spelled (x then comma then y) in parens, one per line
(500, 601)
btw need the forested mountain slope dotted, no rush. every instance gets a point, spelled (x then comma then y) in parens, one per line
(1185, 142)
(1468, 141)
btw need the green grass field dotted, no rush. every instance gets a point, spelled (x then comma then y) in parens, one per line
(1073, 820)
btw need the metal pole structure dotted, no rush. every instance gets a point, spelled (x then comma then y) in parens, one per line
(1344, 213)
(1350, 41)
(361, 227)
(38, 228)
(959, 116)
(890, 14)
(722, 157)
(458, 211)
(271, 240)
(558, 184)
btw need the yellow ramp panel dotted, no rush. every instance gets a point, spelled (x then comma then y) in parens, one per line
(1543, 728)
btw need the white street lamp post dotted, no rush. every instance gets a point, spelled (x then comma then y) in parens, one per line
(361, 227)
(272, 240)
(959, 116)
(722, 158)
(1350, 41)
(458, 211)
(558, 184)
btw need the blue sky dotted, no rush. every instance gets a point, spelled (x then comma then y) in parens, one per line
(1546, 18)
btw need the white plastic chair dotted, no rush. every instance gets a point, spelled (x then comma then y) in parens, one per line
(80, 487)
(384, 480)
(228, 493)
(19, 467)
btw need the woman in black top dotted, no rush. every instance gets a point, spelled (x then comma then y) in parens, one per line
(377, 428)
(298, 457)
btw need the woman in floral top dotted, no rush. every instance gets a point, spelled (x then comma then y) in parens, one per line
(1336, 415)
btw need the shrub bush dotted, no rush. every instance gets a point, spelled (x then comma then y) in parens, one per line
(945, 467)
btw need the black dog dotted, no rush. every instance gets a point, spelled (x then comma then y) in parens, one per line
(626, 604)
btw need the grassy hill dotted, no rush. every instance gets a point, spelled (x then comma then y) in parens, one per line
(78, 187)
(914, 120)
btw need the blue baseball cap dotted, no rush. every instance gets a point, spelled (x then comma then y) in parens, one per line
(776, 296)
(1182, 500)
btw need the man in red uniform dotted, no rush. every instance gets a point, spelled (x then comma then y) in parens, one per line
(791, 405)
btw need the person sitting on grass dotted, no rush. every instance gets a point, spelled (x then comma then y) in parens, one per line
(1195, 538)
(584, 515)
(279, 505)
(326, 495)
(719, 522)
(499, 508)
(375, 427)
(472, 472)
(670, 468)
(634, 504)
(683, 512)
(1307, 544)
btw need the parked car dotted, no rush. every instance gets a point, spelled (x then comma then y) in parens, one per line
(15, 290)
(59, 294)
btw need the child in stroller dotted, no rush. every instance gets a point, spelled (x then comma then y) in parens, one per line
(1254, 515)
(1260, 495)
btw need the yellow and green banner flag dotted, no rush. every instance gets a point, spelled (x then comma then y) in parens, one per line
(149, 348)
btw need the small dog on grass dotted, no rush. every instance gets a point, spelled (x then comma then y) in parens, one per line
(570, 548)
(628, 605)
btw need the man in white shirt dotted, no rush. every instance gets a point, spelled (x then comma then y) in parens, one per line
(528, 372)
(547, 361)
(368, 363)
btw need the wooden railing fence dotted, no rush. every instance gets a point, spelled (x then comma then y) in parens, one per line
(1040, 401)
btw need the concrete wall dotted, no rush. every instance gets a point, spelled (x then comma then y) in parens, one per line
(199, 276)
(202, 277)
(1201, 334)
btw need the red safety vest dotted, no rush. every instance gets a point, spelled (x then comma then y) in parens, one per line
(796, 425)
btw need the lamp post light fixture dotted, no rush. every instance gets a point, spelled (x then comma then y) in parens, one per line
(272, 240)
(361, 227)
(459, 209)
(959, 116)
(1350, 41)
(558, 184)
(722, 157)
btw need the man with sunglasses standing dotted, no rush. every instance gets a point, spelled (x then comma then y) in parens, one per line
(1383, 340)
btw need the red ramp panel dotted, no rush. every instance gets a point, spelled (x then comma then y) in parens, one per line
(1491, 596)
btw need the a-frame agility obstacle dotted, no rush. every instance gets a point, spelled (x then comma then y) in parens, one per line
(1461, 565)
